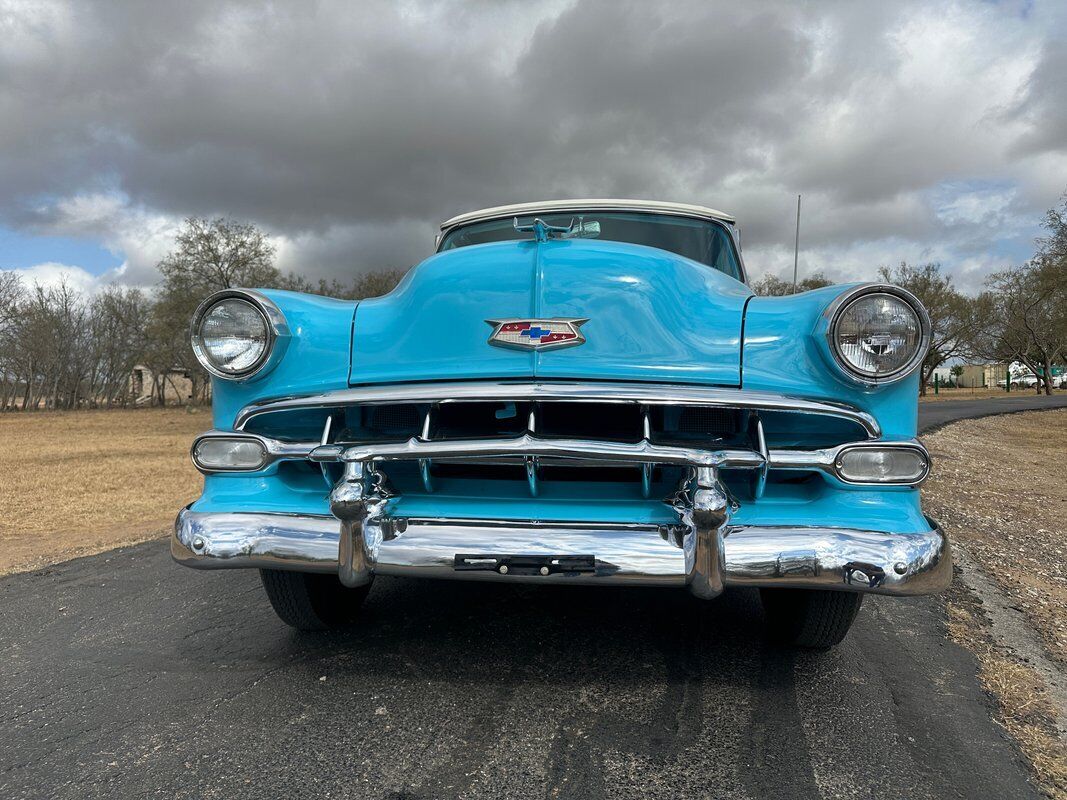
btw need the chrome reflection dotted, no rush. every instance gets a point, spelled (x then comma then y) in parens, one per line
(225, 540)
(704, 510)
(635, 554)
(833, 558)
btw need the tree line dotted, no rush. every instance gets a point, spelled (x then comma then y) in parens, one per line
(64, 349)
(1019, 316)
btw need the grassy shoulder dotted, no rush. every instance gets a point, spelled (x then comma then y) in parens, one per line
(82, 482)
(947, 393)
(998, 489)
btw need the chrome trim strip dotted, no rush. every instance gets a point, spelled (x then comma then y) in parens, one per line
(540, 391)
(629, 554)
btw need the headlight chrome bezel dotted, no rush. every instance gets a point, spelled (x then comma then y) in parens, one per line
(276, 326)
(842, 302)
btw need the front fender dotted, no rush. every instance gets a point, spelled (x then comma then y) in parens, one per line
(784, 350)
(316, 359)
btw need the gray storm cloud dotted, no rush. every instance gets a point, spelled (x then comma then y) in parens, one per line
(348, 131)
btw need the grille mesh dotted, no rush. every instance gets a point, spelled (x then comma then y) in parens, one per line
(712, 421)
(395, 419)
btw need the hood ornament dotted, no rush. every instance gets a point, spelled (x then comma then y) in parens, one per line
(542, 231)
(537, 334)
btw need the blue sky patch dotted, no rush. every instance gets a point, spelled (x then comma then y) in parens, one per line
(21, 251)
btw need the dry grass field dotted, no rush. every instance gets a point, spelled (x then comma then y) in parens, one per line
(80, 482)
(999, 487)
(999, 490)
(975, 394)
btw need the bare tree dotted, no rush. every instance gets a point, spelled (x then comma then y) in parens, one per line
(1028, 322)
(218, 254)
(11, 298)
(118, 320)
(61, 350)
(209, 255)
(46, 346)
(1053, 247)
(954, 318)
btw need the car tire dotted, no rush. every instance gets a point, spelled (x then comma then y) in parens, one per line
(311, 601)
(810, 618)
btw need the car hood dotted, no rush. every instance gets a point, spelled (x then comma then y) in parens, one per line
(652, 316)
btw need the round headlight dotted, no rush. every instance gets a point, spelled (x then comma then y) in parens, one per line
(231, 337)
(880, 336)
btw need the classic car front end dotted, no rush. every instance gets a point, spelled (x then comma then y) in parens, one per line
(580, 392)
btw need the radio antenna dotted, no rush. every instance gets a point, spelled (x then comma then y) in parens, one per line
(796, 247)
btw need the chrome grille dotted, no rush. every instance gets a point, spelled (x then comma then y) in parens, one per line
(428, 418)
(259, 415)
(485, 420)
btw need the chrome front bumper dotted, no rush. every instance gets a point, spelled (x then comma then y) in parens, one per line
(622, 554)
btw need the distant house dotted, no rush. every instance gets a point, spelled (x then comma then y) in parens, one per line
(943, 375)
(979, 375)
(173, 388)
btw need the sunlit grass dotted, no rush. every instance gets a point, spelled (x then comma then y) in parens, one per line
(78, 482)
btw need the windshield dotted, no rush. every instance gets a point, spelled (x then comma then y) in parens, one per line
(700, 240)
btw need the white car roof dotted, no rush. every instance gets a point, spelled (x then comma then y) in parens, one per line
(563, 206)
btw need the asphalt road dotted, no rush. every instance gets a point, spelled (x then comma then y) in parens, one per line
(125, 675)
(936, 414)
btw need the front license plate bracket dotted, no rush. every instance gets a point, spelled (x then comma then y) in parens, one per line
(515, 564)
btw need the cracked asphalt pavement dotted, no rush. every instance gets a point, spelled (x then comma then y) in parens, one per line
(125, 675)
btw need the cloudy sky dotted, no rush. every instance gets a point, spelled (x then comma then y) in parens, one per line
(915, 131)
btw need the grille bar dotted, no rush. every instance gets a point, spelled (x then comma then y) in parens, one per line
(530, 445)
(640, 394)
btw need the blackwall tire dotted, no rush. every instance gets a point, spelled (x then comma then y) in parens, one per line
(810, 618)
(312, 601)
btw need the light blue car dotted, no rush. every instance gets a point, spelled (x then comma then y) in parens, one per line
(575, 392)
